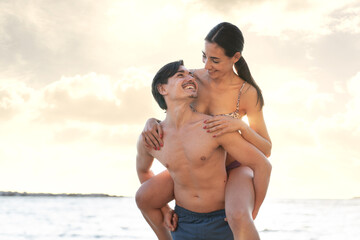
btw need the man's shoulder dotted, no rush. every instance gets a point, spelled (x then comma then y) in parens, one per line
(200, 117)
(197, 130)
(141, 146)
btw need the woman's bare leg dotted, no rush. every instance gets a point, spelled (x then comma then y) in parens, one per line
(239, 203)
(154, 194)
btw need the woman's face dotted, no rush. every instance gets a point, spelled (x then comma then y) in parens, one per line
(216, 62)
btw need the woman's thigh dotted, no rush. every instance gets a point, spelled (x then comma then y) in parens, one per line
(157, 191)
(240, 194)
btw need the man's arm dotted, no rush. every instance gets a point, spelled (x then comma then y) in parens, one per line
(250, 156)
(143, 161)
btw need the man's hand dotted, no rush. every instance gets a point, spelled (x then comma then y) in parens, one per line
(170, 219)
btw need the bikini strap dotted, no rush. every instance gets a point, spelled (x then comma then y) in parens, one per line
(238, 100)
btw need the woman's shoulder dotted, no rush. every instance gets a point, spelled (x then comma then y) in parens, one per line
(249, 96)
(200, 74)
(249, 90)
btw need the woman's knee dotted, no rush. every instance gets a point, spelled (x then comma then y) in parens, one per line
(141, 198)
(246, 172)
(239, 216)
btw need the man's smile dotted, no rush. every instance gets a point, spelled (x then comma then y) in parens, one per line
(189, 85)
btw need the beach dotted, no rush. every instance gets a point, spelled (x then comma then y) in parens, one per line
(75, 218)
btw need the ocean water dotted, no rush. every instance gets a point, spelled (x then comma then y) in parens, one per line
(104, 218)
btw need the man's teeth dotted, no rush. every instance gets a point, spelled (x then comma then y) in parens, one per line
(189, 86)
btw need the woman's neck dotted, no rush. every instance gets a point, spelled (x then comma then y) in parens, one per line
(228, 79)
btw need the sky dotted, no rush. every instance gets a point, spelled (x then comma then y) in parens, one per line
(75, 88)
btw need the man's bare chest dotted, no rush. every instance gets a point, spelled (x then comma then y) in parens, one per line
(189, 148)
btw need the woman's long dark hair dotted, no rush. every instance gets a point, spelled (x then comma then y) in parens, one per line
(230, 38)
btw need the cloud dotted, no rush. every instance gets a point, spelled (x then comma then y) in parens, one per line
(345, 125)
(320, 143)
(91, 108)
(90, 138)
(286, 19)
(95, 98)
(13, 95)
(298, 100)
(47, 40)
(52, 38)
(220, 7)
(122, 136)
(300, 106)
(347, 19)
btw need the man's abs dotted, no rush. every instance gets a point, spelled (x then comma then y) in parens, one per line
(202, 199)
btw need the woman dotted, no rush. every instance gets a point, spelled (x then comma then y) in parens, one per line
(221, 91)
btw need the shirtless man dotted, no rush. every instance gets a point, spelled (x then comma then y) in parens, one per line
(194, 159)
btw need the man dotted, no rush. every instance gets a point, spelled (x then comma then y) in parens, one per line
(194, 159)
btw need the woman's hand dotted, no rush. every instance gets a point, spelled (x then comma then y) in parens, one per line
(223, 124)
(152, 134)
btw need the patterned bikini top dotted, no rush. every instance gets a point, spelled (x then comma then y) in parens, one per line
(236, 113)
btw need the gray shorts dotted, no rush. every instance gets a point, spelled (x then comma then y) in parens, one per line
(201, 226)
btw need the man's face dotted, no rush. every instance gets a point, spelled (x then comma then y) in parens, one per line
(182, 85)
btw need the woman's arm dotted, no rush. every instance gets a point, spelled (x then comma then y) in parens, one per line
(256, 133)
(152, 134)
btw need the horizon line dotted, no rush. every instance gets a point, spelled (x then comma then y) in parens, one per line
(38, 194)
(47, 194)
